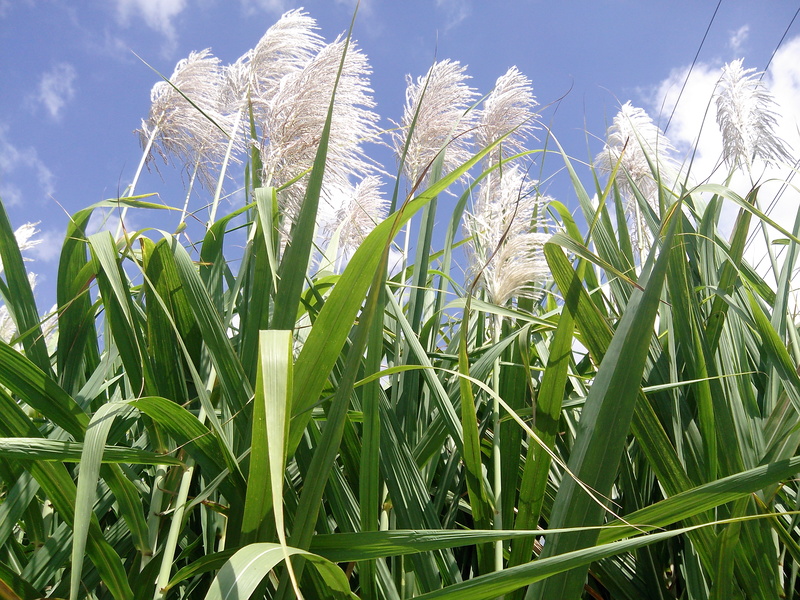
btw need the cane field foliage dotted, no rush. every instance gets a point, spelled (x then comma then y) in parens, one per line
(317, 393)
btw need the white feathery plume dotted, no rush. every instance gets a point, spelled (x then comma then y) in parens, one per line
(23, 236)
(639, 145)
(746, 119)
(8, 329)
(8, 326)
(440, 101)
(352, 211)
(287, 46)
(506, 250)
(508, 109)
(175, 126)
(293, 120)
(634, 132)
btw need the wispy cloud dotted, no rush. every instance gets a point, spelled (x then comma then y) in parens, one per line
(157, 15)
(455, 11)
(738, 38)
(13, 160)
(365, 7)
(57, 88)
(49, 246)
(271, 6)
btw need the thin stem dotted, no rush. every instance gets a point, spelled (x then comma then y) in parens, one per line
(174, 533)
(213, 214)
(185, 210)
(496, 462)
(132, 186)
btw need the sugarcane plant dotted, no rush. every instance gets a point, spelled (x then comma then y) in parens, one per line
(276, 399)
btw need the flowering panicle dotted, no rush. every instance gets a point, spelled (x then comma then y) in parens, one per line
(746, 119)
(8, 327)
(639, 147)
(506, 247)
(293, 120)
(440, 101)
(634, 141)
(286, 47)
(23, 236)
(353, 211)
(191, 124)
(508, 109)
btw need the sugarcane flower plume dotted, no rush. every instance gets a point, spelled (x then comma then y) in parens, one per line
(287, 46)
(438, 107)
(352, 211)
(507, 233)
(347, 214)
(746, 118)
(644, 155)
(23, 235)
(639, 145)
(509, 109)
(189, 125)
(292, 122)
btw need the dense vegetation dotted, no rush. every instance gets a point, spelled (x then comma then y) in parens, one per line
(605, 404)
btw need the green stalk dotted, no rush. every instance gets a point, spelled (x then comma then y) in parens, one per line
(496, 458)
(174, 532)
(154, 518)
(176, 522)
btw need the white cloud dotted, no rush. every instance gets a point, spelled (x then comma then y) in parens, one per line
(14, 159)
(56, 88)
(272, 6)
(364, 6)
(455, 11)
(157, 14)
(49, 246)
(696, 109)
(738, 38)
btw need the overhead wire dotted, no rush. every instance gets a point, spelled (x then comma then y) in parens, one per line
(694, 61)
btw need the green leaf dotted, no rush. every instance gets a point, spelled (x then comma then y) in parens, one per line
(19, 299)
(604, 425)
(243, 572)
(66, 451)
(91, 459)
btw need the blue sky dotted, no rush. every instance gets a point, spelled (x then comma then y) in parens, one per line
(74, 92)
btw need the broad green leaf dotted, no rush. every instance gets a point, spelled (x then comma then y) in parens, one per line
(61, 492)
(605, 423)
(66, 451)
(91, 459)
(19, 299)
(39, 391)
(243, 572)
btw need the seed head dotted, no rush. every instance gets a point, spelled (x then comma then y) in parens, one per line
(353, 211)
(508, 109)
(506, 249)
(187, 119)
(746, 118)
(644, 155)
(293, 120)
(440, 102)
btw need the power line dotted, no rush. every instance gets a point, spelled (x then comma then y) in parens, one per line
(783, 37)
(685, 81)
